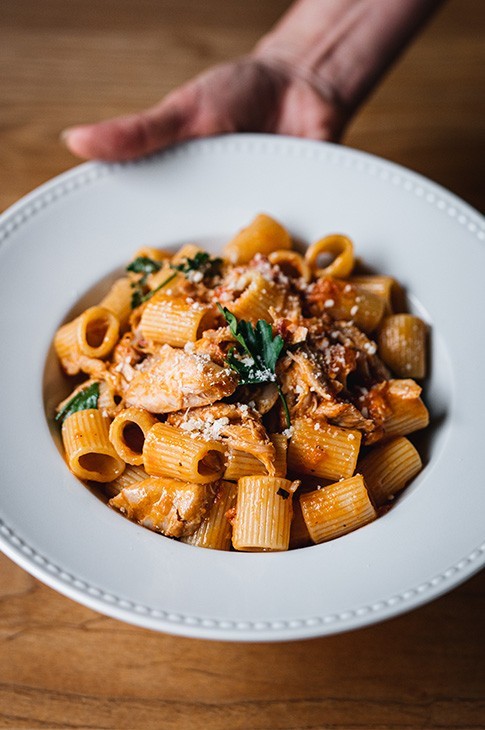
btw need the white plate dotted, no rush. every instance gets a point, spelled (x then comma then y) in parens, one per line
(60, 240)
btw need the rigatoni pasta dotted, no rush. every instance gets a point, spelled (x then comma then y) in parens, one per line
(337, 509)
(168, 321)
(169, 452)
(337, 246)
(402, 345)
(257, 401)
(215, 530)
(389, 467)
(89, 451)
(323, 450)
(263, 514)
(128, 431)
(242, 464)
(91, 335)
(262, 236)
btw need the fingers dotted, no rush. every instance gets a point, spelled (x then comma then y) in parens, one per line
(133, 136)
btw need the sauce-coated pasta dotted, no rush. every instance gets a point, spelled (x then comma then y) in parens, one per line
(254, 401)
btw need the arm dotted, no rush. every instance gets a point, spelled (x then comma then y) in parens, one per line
(306, 77)
(343, 47)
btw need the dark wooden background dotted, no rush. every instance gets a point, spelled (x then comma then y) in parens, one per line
(64, 666)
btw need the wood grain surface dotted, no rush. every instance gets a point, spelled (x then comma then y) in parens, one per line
(65, 666)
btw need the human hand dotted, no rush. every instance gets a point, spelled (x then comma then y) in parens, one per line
(305, 78)
(246, 95)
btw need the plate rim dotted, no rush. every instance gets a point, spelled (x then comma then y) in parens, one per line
(61, 580)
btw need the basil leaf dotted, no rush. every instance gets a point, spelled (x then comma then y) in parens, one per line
(86, 398)
(144, 265)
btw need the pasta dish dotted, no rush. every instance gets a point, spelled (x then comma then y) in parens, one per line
(256, 401)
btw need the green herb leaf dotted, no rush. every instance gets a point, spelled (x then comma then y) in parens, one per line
(261, 350)
(136, 298)
(144, 265)
(202, 262)
(86, 398)
(148, 296)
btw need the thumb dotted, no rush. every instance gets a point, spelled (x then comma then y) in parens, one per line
(129, 137)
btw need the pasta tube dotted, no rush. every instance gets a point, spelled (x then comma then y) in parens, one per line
(384, 287)
(89, 452)
(329, 452)
(257, 300)
(131, 475)
(292, 264)
(407, 412)
(263, 514)
(263, 235)
(175, 322)
(155, 254)
(188, 251)
(93, 334)
(336, 245)
(166, 283)
(241, 464)
(337, 509)
(128, 431)
(168, 452)
(360, 306)
(97, 332)
(215, 529)
(118, 300)
(402, 345)
(387, 468)
(299, 535)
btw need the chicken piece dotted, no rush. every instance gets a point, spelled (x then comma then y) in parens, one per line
(261, 397)
(236, 425)
(368, 363)
(310, 392)
(126, 356)
(174, 379)
(396, 408)
(168, 506)
(216, 343)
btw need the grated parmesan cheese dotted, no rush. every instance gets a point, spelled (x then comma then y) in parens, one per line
(209, 430)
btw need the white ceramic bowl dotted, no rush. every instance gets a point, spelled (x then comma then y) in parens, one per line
(60, 241)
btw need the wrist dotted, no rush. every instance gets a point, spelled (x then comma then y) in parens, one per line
(342, 47)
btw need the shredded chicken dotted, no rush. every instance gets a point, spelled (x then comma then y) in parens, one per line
(174, 379)
(386, 400)
(168, 506)
(310, 392)
(214, 343)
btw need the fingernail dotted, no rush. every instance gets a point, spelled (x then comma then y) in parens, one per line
(64, 135)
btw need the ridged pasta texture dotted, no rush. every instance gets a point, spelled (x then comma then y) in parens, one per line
(256, 400)
(262, 236)
(337, 509)
(389, 467)
(89, 451)
(326, 451)
(215, 530)
(168, 452)
(263, 514)
(402, 345)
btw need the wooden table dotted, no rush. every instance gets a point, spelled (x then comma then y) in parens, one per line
(64, 666)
